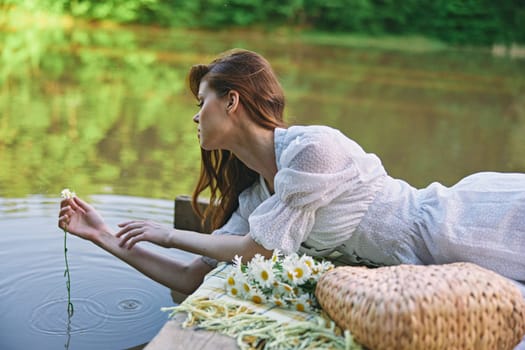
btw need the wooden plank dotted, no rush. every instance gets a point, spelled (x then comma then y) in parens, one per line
(185, 219)
(173, 337)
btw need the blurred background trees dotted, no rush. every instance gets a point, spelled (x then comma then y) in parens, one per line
(461, 22)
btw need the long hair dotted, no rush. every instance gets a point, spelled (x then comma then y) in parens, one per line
(261, 95)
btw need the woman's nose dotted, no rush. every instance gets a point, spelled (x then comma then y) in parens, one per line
(196, 118)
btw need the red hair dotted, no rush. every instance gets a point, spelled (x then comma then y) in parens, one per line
(261, 95)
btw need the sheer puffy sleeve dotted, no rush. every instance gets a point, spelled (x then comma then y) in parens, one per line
(315, 166)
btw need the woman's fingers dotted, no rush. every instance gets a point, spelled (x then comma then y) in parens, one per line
(131, 236)
(63, 221)
(131, 241)
(122, 224)
(63, 210)
(65, 213)
(135, 231)
(71, 204)
(129, 225)
(79, 204)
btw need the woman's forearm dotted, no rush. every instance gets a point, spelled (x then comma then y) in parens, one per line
(182, 277)
(220, 247)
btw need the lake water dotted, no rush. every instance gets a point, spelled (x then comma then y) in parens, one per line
(115, 307)
(105, 111)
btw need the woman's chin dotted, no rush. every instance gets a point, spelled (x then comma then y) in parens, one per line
(206, 147)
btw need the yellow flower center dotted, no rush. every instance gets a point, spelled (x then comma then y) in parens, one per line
(300, 307)
(231, 281)
(265, 275)
(246, 287)
(257, 299)
(299, 272)
(234, 291)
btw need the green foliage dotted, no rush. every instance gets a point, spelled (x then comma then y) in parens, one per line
(472, 22)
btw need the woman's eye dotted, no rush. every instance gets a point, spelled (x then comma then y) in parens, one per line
(200, 104)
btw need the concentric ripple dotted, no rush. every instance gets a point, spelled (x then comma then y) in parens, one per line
(125, 303)
(51, 317)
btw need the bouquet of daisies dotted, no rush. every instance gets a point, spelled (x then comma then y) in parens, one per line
(285, 281)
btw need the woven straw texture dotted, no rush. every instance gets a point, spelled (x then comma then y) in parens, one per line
(452, 306)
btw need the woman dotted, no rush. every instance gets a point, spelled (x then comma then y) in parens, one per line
(309, 189)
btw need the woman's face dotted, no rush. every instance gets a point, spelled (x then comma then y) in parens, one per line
(213, 121)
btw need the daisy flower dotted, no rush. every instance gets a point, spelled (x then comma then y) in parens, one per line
(257, 296)
(233, 290)
(261, 271)
(277, 300)
(302, 303)
(285, 281)
(286, 289)
(236, 281)
(245, 287)
(67, 193)
(295, 270)
(308, 260)
(322, 267)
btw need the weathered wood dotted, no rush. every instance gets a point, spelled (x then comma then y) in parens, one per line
(173, 337)
(184, 218)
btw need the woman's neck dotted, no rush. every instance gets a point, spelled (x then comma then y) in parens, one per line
(256, 149)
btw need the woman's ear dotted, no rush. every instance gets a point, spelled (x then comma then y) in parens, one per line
(232, 102)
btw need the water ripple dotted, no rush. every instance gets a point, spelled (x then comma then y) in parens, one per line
(51, 317)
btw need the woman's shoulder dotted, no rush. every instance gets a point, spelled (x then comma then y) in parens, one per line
(313, 143)
(310, 132)
(298, 137)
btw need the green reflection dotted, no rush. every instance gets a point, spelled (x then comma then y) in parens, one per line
(107, 109)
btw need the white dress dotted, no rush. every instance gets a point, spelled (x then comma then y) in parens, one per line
(333, 199)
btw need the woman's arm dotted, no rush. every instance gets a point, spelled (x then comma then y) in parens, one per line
(82, 220)
(220, 247)
(174, 274)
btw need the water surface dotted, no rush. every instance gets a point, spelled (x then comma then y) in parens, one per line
(115, 307)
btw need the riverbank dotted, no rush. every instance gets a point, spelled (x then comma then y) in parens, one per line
(15, 19)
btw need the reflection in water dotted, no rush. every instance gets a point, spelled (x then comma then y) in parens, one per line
(111, 107)
(68, 331)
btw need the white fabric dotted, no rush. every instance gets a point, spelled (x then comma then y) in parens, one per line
(333, 198)
(321, 174)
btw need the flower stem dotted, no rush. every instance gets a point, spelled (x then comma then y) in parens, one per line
(70, 309)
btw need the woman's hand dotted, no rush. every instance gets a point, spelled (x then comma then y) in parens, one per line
(136, 231)
(81, 219)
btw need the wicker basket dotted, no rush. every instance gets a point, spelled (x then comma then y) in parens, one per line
(453, 306)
